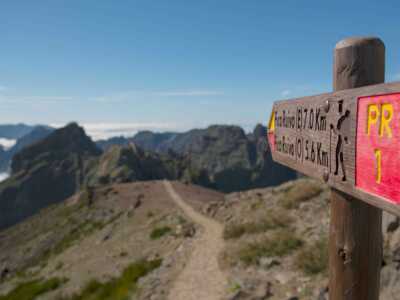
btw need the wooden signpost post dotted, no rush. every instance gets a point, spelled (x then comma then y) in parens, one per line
(350, 139)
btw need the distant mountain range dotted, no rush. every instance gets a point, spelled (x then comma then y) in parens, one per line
(232, 159)
(15, 131)
(50, 165)
(31, 136)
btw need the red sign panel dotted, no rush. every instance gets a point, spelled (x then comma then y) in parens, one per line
(378, 146)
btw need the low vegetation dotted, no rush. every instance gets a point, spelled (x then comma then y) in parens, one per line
(118, 288)
(313, 259)
(32, 289)
(280, 243)
(270, 221)
(292, 198)
(159, 232)
(79, 231)
(75, 234)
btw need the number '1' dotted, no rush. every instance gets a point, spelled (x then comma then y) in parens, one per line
(378, 157)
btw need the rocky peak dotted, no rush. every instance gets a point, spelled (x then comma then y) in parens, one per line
(63, 142)
(46, 172)
(131, 163)
(259, 131)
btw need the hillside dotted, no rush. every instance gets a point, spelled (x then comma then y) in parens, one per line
(270, 243)
(86, 244)
(44, 173)
(276, 242)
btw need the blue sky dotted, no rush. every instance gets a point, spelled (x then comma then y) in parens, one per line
(174, 65)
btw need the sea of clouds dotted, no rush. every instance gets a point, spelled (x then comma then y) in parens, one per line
(7, 143)
(3, 176)
(100, 131)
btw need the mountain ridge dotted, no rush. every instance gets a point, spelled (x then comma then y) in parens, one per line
(221, 157)
(44, 173)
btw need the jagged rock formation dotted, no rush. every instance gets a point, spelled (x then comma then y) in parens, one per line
(158, 142)
(130, 163)
(114, 141)
(223, 156)
(46, 172)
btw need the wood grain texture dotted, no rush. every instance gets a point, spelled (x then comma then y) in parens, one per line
(355, 249)
(355, 238)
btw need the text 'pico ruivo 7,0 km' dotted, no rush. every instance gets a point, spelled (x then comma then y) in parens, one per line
(350, 139)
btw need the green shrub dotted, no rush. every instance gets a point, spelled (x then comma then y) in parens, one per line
(159, 232)
(313, 259)
(280, 243)
(273, 220)
(118, 288)
(234, 287)
(31, 289)
(297, 194)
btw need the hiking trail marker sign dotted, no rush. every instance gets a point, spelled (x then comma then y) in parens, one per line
(349, 138)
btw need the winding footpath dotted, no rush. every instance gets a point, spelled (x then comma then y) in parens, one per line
(201, 279)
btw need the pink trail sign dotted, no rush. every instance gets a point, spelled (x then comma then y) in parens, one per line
(378, 146)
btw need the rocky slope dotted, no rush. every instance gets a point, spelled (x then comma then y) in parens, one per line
(227, 158)
(46, 172)
(89, 246)
(275, 243)
(130, 163)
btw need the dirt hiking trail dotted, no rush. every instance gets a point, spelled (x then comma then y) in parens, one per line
(201, 279)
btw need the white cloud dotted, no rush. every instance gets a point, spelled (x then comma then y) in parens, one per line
(140, 95)
(98, 131)
(301, 90)
(3, 176)
(33, 99)
(47, 98)
(7, 143)
(111, 98)
(106, 130)
(189, 93)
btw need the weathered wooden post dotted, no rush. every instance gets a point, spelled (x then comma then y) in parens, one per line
(355, 243)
